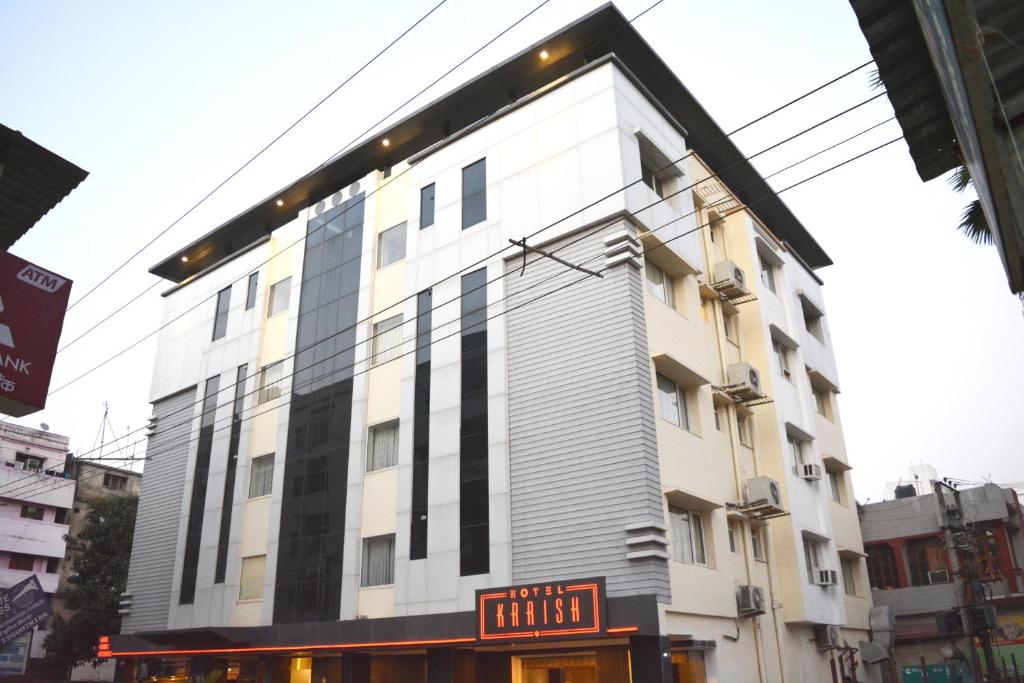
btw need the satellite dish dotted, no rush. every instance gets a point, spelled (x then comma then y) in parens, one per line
(45, 427)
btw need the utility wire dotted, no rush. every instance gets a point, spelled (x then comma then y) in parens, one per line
(503, 249)
(433, 341)
(258, 154)
(352, 142)
(438, 306)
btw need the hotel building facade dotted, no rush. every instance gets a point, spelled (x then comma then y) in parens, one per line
(384, 449)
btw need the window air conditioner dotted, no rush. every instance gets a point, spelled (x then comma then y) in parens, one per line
(827, 577)
(938, 576)
(750, 600)
(811, 472)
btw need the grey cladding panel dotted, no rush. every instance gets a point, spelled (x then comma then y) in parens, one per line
(584, 460)
(154, 548)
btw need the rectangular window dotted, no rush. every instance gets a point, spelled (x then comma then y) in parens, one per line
(32, 512)
(228, 499)
(474, 514)
(115, 482)
(767, 275)
(812, 319)
(387, 340)
(28, 462)
(378, 561)
(821, 402)
(882, 572)
(782, 357)
(261, 476)
(391, 245)
(659, 284)
(687, 536)
(427, 206)
(251, 290)
(52, 565)
(733, 535)
(270, 382)
(251, 583)
(23, 563)
(757, 543)
(744, 429)
(718, 417)
(835, 484)
(220, 317)
(796, 447)
(927, 560)
(812, 558)
(848, 581)
(672, 402)
(652, 179)
(280, 297)
(474, 193)
(421, 429)
(382, 449)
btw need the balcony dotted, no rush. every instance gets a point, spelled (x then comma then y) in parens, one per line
(34, 487)
(9, 577)
(29, 537)
(916, 599)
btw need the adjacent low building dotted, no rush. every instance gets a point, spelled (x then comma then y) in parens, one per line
(404, 450)
(35, 502)
(910, 570)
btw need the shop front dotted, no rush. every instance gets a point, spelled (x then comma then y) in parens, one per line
(556, 632)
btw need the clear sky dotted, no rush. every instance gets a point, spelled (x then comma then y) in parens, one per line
(161, 101)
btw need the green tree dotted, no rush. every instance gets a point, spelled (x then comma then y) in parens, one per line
(94, 590)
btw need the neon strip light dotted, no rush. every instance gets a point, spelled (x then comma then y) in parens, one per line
(292, 648)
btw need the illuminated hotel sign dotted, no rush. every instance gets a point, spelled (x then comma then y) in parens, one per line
(556, 609)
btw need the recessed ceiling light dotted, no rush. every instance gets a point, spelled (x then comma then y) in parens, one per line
(385, 142)
(543, 54)
(280, 202)
(184, 259)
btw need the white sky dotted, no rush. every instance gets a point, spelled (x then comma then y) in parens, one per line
(159, 102)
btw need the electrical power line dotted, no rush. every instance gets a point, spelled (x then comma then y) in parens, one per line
(259, 153)
(333, 372)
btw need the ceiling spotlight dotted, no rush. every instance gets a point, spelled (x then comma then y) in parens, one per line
(385, 142)
(280, 202)
(184, 259)
(543, 54)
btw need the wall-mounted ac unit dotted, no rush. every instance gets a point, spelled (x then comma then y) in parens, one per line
(827, 577)
(827, 636)
(811, 472)
(938, 576)
(764, 498)
(743, 384)
(750, 600)
(729, 280)
(744, 373)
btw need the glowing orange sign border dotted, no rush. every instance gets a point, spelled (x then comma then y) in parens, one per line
(535, 633)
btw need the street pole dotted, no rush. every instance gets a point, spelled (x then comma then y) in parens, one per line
(954, 564)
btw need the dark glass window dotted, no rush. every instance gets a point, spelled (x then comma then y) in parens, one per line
(197, 505)
(474, 193)
(52, 565)
(421, 429)
(315, 478)
(882, 573)
(32, 512)
(229, 475)
(21, 562)
(427, 206)
(251, 290)
(474, 550)
(220, 318)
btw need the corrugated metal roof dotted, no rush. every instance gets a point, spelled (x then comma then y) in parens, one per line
(602, 32)
(33, 180)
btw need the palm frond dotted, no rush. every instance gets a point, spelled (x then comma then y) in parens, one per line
(974, 225)
(960, 179)
(875, 80)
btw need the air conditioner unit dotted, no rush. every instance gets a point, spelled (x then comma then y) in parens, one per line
(938, 576)
(827, 577)
(764, 498)
(810, 472)
(744, 373)
(750, 600)
(827, 636)
(729, 280)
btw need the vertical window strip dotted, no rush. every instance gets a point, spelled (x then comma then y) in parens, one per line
(421, 429)
(474, 520)
(197, 504)
(383, 446)
(474, 194)
(427, 206)
(251, 291)
(387, 340)
(220, 316)
(378, 566)
(229, 476)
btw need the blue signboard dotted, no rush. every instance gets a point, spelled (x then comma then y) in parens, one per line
(23, 606)
(14, 656)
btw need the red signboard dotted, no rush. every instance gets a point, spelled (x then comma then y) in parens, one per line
(557, 609)
(32, 305)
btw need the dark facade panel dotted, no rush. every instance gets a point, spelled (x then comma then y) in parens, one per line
(227, 502)
(474, 517)
(197, 504)
(421, 429)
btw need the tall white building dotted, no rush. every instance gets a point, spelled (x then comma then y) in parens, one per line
(384, 450)
(35, 501)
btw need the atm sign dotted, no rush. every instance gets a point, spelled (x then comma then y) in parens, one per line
(542, 610)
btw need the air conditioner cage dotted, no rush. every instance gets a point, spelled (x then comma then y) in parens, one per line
(729, 281)
(750, 600)
(827, 636)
